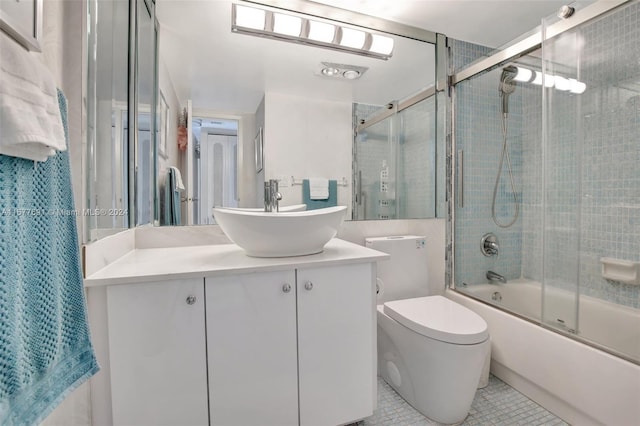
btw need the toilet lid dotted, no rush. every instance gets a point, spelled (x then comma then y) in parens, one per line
(439, 318)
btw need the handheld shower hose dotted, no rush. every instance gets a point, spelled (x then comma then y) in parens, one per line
(506, 88)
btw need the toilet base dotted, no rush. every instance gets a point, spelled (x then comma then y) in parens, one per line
(438, 379)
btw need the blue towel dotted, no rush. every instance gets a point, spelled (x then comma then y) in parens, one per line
(171, 200)
(320, 204)
(45, 347)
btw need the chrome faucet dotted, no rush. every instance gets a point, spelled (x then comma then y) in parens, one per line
(494, 276)
(271, 196)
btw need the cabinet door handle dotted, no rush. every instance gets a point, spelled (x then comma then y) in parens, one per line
(308, 285)
(286, 288)
(190, 300)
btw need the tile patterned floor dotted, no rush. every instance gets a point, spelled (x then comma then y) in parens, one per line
(496, 404)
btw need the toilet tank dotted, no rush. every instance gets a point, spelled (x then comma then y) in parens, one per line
(405, 274)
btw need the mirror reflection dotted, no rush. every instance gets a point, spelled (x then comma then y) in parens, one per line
(307, 105)
(203, 95)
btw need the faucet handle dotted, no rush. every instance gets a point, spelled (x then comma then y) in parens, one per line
(489, 245)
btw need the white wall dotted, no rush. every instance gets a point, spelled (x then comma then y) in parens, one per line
(247, 170)
(306, 137)
(168, 90)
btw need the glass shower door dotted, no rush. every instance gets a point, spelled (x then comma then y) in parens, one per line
(592, 204)
(562, 170)
(395, 161)
(375, 163)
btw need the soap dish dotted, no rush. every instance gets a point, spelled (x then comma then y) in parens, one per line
(623, 271)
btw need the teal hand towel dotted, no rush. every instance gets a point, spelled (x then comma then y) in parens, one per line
(320, 204)
(171, 200)
(45, 347)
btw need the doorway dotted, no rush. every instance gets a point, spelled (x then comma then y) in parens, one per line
(215, 183)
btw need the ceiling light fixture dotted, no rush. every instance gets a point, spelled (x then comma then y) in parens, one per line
(351, 74)
(330, 71)
(297, 28)
(341, 71)
(561, 83)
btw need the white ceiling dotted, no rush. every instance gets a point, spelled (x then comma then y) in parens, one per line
(228, 72)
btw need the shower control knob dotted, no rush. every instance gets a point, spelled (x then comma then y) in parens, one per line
(190, 300)
(286, 288)
(308, 285)
(489, 245)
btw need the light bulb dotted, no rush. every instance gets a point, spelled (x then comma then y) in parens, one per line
(381, 44)
(577, 86)
(351, 74)
(523, 74)
(320, 31)
(287, 24)
(352, 38)
(250, 17)
(330, 71)
(561, 83)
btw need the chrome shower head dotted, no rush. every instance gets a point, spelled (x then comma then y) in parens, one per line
(507, 86)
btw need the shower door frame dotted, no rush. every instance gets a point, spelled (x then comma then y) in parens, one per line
(455, 196)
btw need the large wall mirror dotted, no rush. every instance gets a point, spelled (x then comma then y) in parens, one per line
(258, 108)
(122, 116)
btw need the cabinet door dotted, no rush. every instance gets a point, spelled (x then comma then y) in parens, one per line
(251, 341)
(336, 344)
(157, 353)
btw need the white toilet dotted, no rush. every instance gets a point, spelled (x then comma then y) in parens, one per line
(431, 350)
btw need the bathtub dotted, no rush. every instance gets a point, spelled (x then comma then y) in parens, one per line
(577, 382)
(600, 322)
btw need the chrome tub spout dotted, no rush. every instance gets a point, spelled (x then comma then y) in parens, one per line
(495, 277)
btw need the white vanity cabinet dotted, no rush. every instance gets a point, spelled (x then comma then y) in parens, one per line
(292, 347)
(157, 353)
(206, 335)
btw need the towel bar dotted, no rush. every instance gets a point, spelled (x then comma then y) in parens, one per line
(294, 181)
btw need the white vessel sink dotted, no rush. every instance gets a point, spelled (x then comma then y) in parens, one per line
(281, 234)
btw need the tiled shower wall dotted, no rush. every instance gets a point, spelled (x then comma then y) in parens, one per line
(478, 132)
(592, 182)
(597, 165)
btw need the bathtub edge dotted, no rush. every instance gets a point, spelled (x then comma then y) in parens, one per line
(565, 381)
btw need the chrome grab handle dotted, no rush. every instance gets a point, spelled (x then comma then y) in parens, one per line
(460, 167)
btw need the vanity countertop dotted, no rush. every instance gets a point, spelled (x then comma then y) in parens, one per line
(154, 264)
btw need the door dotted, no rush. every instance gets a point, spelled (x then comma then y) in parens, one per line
(251, 345)
(336, 344)
(157, 353)
(191, 163)
(217, 174)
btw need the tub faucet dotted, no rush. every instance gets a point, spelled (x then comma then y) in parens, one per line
(271, 196)
(494, 276)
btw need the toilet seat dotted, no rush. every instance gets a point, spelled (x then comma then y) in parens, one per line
(439, 318)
